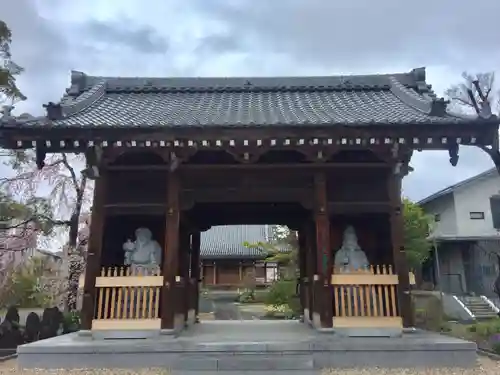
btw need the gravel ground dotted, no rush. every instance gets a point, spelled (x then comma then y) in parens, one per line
(486, 367)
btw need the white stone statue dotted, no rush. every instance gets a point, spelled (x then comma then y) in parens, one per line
(350, 256)
(144, 252)
(144, 257)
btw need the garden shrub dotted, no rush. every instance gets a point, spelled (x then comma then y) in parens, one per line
(488, 328)
(281, 292)
(495, 343)
(247, 296)
(279, 312)
(71, 322)
(472, 328)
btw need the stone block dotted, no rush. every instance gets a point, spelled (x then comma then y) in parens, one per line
(265, 362)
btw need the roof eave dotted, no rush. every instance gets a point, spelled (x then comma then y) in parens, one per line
(452, 188)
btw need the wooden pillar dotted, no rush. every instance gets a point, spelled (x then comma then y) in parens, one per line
(302, 268)
(323, 252)
(184, 265)
(171, 252)
(214, 275)
(195, 267)
(398, 249)
(240, 270)
(310, 233)
(94, 252)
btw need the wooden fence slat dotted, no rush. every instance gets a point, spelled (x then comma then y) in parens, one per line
(365, 297)
(127, 298)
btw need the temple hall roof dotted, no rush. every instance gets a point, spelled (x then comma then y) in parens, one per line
(401, 98)
(226, 242)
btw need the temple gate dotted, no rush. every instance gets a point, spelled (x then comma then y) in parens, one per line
(176, 156)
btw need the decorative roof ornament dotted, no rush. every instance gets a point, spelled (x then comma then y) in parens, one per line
(54, 111)
(439, 107)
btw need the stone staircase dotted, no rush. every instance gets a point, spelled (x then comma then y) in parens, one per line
(479, 307)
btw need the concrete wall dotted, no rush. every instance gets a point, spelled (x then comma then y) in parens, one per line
(452, 269)
(475, 197)
(484, 267)
(445, 208)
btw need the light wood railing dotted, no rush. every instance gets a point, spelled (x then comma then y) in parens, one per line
(366, 298)
(127, 298)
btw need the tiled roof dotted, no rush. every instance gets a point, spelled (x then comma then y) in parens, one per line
(226, 241)
(403, 98)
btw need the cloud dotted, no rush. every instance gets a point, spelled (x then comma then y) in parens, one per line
(139, 38)
(259, 38)
(363, 34)
(39, 49)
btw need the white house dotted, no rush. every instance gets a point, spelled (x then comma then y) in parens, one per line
(466, 240)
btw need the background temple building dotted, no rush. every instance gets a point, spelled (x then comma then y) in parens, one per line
(227, 262)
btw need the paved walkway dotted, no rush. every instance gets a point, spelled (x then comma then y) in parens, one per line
(224, 307)
(250, 331)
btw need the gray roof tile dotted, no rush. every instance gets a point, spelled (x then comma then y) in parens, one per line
(347, 100)
(226, 241)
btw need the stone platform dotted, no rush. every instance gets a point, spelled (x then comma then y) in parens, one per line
(250, 346)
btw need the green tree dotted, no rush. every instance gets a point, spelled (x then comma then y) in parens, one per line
(35, 210)
(417, 226)
(282, 249)
(24, 286)
(9, 70)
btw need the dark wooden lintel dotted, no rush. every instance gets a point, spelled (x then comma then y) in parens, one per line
(241, 195)
(203, 167)
(358, 207)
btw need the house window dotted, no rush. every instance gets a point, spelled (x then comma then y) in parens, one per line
(476, 215)
(437, 217)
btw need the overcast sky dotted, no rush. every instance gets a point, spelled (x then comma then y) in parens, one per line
(259, 38)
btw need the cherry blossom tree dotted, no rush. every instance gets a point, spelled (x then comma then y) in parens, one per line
(68, 191)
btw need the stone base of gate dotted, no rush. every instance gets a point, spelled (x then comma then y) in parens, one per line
(250, 346)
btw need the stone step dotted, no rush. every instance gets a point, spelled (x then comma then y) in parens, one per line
(487, 308)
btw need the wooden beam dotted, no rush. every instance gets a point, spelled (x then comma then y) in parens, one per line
(94, 253)
(204, 167)
(358, 207)
(171, 252)
(242, 195)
